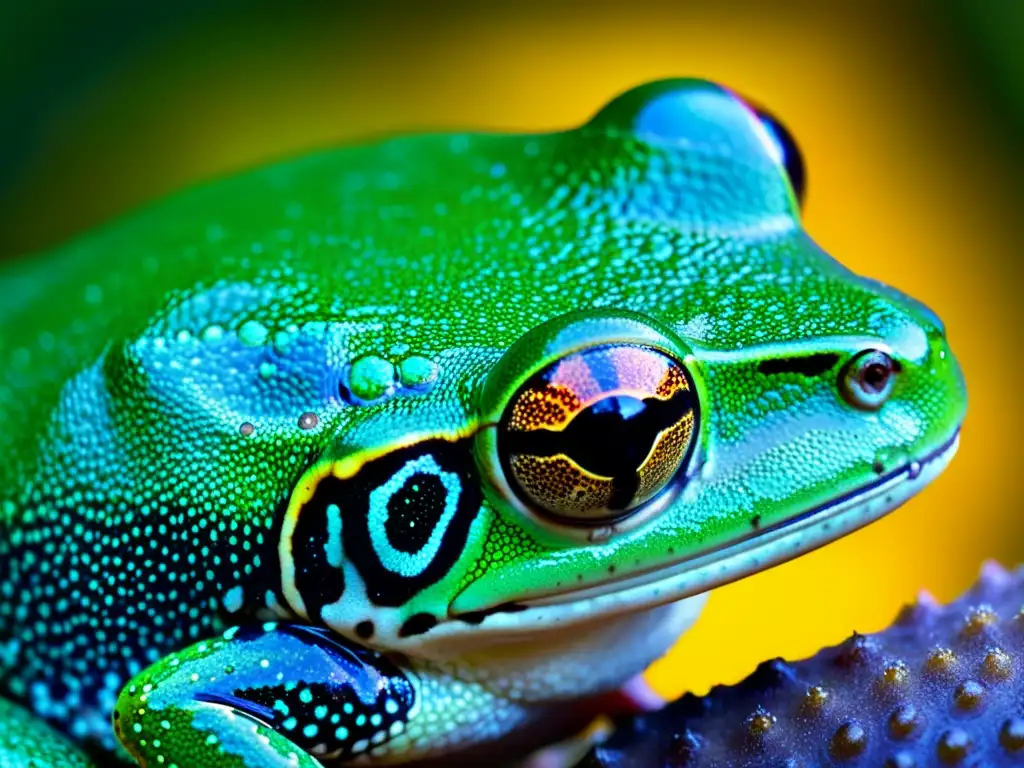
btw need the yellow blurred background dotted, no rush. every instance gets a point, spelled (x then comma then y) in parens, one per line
(914, 163)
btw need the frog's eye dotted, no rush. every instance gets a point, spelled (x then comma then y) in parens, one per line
(867, 380)
(599, 432)
(786, 150)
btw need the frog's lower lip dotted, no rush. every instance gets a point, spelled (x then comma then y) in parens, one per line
(772, 546)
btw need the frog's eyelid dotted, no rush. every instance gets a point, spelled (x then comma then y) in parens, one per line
(814, 364)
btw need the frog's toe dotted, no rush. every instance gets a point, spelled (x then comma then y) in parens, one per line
(192, 732)
(201, 733)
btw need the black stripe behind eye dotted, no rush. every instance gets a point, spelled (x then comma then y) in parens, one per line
(806, 365)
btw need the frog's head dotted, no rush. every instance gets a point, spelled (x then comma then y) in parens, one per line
(722, 398)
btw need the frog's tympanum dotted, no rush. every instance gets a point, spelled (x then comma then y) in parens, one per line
(403, 450)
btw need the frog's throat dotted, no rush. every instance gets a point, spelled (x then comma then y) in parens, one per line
(806, 532)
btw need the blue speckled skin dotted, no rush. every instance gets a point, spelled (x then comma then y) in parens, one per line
(290, 396)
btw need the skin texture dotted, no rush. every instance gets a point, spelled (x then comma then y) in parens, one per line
(28, 742)
(941, 686)
(290, 397)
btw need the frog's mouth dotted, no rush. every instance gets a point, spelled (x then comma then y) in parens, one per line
(771, 546)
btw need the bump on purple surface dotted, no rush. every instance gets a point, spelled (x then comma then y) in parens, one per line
(941, 686)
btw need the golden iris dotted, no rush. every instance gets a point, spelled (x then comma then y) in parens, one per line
(598, 433)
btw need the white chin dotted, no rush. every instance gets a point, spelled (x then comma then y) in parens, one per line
(582, 659)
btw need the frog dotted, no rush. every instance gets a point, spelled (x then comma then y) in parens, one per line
(411, 450)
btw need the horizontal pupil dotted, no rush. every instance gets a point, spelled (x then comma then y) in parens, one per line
(611, 438)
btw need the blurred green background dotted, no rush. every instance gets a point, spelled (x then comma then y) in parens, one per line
(910, 114)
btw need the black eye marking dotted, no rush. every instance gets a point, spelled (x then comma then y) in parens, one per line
(417, 624)
(316, 552)
(806, 365)
(402, 520)
(414, 511)
(365, 630)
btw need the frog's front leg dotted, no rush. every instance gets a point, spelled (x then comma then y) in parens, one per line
(268, 695)
(285, 694)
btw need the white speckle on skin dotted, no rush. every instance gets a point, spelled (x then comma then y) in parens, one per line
(233, 600)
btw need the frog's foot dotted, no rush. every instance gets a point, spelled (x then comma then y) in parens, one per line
(289, 695)
(271, 695)
(26, 741)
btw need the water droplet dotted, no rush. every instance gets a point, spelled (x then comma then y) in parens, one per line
(308, 420)
(416, 371)
(914, 470)
(253, 333)
(93, 294)
(267, 370)
(246, 429)
(283, 341)
(371, 377)
(212, 333)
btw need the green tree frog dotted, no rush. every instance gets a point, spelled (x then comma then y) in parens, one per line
(404, 450)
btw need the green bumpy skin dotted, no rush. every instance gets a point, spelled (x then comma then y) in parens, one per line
(455, 413)
(942, 686)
